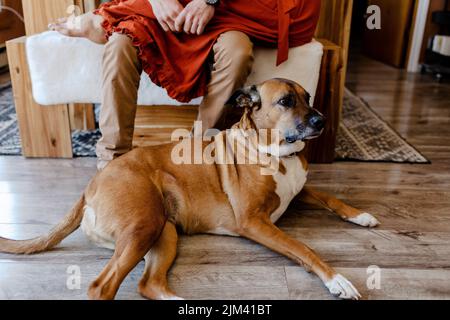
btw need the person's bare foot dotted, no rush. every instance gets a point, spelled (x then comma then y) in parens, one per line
(87, 26)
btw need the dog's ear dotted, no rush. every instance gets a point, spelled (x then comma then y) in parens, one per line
(248, 97)
(308, 98)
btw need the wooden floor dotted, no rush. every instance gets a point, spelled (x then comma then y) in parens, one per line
(412, 246)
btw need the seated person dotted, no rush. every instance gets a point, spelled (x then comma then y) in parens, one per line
(192, 48)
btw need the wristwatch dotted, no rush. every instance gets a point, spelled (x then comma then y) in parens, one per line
(214, 3)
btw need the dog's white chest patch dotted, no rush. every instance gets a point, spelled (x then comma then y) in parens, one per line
(289, 184)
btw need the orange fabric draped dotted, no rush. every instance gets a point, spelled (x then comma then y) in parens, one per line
(178, 62)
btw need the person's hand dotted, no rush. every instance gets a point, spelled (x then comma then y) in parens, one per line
(166, 12)
(194, 18)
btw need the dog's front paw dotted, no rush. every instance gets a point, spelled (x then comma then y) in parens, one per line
(365, 219)
(340, 287)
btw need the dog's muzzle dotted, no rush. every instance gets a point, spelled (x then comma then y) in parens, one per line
(311, 129)
(317, 121)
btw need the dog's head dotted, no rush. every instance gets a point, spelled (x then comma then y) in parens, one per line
(282, 105)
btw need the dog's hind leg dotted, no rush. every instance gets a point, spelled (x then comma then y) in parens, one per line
(158, 261)
(134, 238)
(346, 212)
(131, 247)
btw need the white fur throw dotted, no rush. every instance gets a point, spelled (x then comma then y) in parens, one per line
(68, 70)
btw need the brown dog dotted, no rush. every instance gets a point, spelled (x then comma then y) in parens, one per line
(134, 205)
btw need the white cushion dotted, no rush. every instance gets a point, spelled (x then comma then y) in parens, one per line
(68, 70)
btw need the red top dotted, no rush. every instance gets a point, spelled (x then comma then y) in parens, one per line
(178, 61)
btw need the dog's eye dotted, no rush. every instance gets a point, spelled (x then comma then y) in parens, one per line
(287, 102)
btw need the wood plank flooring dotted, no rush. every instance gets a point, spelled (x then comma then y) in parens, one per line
(412, 246)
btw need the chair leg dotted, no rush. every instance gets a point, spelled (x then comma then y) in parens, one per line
(81, 116)
(44, 130)
(329, 100)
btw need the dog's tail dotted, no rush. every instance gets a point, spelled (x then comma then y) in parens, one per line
(69, 224)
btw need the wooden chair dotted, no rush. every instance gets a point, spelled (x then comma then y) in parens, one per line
(46, 131)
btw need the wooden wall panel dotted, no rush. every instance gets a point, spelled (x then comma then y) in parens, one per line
(39, 13)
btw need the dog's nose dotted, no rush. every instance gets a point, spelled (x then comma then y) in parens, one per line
(317, 121)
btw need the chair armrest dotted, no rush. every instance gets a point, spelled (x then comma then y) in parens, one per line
(328, 45)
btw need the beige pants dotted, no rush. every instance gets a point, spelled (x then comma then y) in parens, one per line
(233, 59)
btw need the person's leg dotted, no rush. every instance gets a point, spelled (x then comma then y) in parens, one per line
(121, 77)
(233, 61)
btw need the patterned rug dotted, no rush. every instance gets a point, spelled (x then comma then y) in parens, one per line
(83, 142)
(363, 135)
